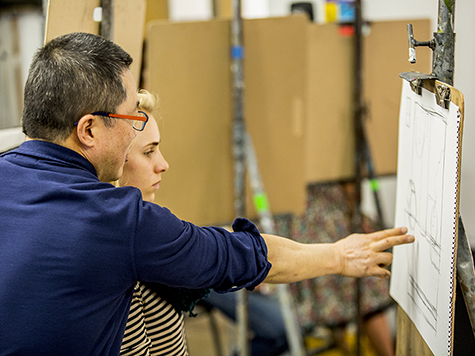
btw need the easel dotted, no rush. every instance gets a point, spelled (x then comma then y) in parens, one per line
(443, 44)
(362, 158)
(245, 158)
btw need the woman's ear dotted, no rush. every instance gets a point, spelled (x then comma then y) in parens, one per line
(87, 127)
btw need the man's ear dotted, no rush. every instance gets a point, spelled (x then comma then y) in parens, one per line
(87, 129)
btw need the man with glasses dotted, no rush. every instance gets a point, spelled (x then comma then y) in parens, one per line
(72, 246)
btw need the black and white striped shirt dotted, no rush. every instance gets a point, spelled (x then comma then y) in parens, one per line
(154, 327)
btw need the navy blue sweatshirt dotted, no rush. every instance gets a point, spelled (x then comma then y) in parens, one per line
(72, 249)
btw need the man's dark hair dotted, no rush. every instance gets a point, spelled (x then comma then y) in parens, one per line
(71, 76)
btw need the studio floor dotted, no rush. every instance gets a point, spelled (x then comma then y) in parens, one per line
(201, 340)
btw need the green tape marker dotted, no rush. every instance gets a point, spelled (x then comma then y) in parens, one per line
(374, 184)
(260, 202)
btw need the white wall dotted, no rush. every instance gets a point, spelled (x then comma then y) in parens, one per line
(465, 81)
(200, 10)
(190, 10)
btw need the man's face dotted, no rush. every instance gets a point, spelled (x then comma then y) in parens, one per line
(119, 137)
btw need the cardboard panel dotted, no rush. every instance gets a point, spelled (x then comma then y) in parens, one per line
(223, 9)
(330, 136)
(129, 22)
(189, 68)
(70, 16)
(329, 128)
(77, 16)
(156, 10)
(385, 55)
(275, 77)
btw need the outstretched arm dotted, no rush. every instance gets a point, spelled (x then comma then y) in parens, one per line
(357, 255)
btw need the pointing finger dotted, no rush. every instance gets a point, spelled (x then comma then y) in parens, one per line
(389, 242)
(379, 235)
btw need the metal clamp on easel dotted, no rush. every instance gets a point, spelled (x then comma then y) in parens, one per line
(442, 91)
(442, 95)
(416, 80)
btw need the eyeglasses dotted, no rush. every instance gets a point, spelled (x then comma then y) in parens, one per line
(139, 120)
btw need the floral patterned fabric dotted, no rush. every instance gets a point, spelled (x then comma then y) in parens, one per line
(329, 300)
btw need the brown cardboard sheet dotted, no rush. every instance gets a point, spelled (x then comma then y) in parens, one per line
(330, 137)
(386, 54)
(70, 16)
(77, 16)
(329, 130)
(188, 65)
(275, 76)
(129, 22)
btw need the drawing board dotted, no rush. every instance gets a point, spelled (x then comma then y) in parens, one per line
(428, 179)
(64, 17)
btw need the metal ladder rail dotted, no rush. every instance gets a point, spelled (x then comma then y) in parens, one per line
(242, 314)
(261, 203)
(244, 157)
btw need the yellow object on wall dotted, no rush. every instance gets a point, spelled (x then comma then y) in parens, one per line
(331, 11)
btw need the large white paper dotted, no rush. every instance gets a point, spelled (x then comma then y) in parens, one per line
(422, 280)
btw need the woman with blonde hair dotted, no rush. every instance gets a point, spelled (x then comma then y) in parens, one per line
(156, 321)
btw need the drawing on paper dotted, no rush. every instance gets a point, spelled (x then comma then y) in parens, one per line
(424, 204)
(423, 273)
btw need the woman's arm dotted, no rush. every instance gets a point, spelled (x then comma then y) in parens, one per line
(357, 255)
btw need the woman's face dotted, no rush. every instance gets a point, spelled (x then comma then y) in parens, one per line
(145, 163)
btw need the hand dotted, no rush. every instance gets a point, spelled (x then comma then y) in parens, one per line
(363, 255)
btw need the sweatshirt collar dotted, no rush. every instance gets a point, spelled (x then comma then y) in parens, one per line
(53, 152)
